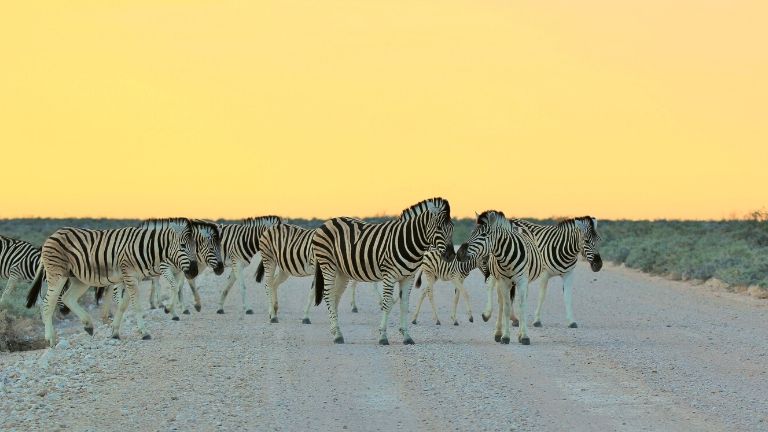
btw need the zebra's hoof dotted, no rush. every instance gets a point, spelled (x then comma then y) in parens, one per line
(166, 310)
(505, 340)
(198, 308)
(485, 317)
(175, 318)
(146, 337)
(220, 311)
(249, 312)
(339, 340)
(524, 340)
(515, 323)
(573, 325)
(413, 322)
(116, 336)
(408, 341)
(273, 320)
(455, 323)
(497, 337)
(471, 319)
(152, 306)
(383, 341)
(437, 322)
(537, 323)
(306, 321)
(89, 330)
(354, 309)
(186, 312)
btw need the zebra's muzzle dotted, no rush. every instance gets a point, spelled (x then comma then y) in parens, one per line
(596, 263)
(219, 269)
(450, 253)
(191, 272)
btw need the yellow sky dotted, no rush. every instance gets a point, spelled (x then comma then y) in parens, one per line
(618, 109)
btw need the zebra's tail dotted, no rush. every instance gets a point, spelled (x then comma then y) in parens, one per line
(260, 272)
(37, 284)
(319, 284)
(418, 279)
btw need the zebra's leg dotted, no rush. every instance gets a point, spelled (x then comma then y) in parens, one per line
(387, 302)
(241, 281)
(462, 290)
(456, 293)
(225, 292)
(181, 300)
(405, 297)
(512, 310)
(69, 298)
(195, 294)
(281, 277)
(499, 284)
(521, 296)
(12, 280)
(506, 305)
(49, 304)
(542, 294)
(568, 299)
(122, 306)
(333, 285)
(353, 287)
(176, 280)
(310, 300)
(106, 307)
(430, 289)
(488, 311)
(131, 297)
(154, 293)
(418, 306)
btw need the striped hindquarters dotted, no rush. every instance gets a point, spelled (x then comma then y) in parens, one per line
(18, 259)
(290, 248)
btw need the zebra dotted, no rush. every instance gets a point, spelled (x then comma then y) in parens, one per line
(18, 262)
(391, 252)
(239, 244)
(560, 246)
(207, 238)
(434, 268)
(286, 250)
(86, 258)
(513, 261)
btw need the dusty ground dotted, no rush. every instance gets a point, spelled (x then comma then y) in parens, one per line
(650, 354)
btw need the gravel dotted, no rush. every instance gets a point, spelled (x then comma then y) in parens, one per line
(650, 354)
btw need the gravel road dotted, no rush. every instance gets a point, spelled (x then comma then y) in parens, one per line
(650, 354)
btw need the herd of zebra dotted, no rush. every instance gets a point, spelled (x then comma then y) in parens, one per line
(414, 246)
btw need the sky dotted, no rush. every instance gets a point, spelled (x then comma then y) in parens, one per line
(228, 109)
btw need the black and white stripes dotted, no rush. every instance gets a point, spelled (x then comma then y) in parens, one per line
(105, 257)
(348, 248)
(18, 262)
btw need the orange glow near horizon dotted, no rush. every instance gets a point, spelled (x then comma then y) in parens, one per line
(228, 109)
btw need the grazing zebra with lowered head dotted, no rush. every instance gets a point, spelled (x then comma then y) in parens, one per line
(391, 252)
(18, 262)
(86, 258)
(513, 261)
(286, 250)
(239, 244)
(207, 238)
(434, 268)
(560, 246)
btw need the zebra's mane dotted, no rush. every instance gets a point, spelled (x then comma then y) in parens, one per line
(154, 222)
(423, 206)
(199, 224)
(493, 219)
(265, 220)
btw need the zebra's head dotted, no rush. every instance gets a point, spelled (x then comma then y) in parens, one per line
(590, 239)
(482, 236)
(183, 247)
(439, 229)
(208, 242)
